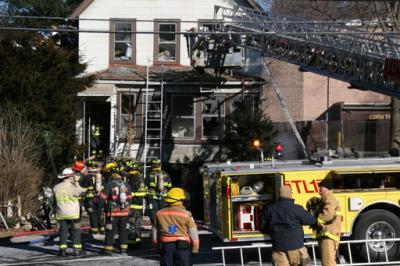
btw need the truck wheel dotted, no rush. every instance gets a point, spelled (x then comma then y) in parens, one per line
(378, 224)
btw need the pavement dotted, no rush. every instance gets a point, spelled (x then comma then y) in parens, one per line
(43, 250)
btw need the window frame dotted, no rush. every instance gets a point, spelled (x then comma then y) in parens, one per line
(112, 59)
(223, 107)
(193, 116)
(157, 23)
(133, 115)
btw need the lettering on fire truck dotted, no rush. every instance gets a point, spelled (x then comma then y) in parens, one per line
(303, 186)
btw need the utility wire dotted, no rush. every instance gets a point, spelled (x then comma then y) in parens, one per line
(202, 33)
(211, 21)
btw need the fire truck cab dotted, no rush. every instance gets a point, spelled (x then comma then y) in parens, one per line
(368, 190)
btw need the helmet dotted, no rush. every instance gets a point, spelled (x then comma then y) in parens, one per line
(155, 163)
(91, 163)
(110, 166)
(175, 194)
(67, 172)
(132, 165)
(78, 166)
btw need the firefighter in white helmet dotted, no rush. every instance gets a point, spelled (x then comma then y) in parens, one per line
(67, 194)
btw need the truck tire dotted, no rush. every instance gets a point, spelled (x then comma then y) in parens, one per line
(378, 224)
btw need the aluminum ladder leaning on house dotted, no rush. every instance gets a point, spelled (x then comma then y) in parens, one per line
(348, 261)
(153, 121)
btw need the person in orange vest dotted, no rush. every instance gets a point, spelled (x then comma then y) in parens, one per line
(174, 232)
(327, 211)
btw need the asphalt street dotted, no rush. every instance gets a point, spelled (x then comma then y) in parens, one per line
(39, 252)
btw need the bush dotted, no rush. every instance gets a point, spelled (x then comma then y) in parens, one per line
(20, 174)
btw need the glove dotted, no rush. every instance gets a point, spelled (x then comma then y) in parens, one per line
(312, 203)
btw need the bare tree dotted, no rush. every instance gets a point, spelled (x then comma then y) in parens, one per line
(19, 174)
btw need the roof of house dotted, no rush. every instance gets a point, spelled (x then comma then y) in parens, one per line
(86, 3)
(174, 74)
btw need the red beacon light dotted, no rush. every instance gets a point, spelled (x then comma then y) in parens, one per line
(278, 150)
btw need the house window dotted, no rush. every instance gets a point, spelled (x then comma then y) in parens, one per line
(127, 115)
(248, 100)
(209, 25)
(167, 42)
(182, 120)
(123, 41)
(213, 112)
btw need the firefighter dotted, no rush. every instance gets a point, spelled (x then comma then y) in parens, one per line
(93, 182)
(158, 183)
(139, 191)
(174, 231)
(284, 221)
(67, 194)
(117, 195)
(327, 211)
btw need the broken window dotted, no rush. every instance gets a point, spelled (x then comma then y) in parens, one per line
(127, 115)
(213, 116)
(123, 41)
(249, 101)
(182, 120)
(167, 42)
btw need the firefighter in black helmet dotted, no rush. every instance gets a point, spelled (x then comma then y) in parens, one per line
(117, 195)
(158, 183)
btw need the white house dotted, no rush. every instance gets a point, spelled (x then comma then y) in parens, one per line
(118, 43)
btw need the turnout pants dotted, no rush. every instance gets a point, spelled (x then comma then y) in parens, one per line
(135, 226)
(114, 225)
(171, 255)
(96, 218)
(154, 206)
(65, 226)
(294, 257)
(327, 249)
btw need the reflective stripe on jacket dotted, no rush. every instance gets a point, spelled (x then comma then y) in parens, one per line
(67, 195)
(173, 224)
(329, 217)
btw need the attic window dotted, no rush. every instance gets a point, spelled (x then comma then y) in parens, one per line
(123, 41)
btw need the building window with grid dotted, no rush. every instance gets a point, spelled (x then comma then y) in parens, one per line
(167, 42)
(213, 116)
(182, 119)
(248, 100)
(127, 115)
(123, 41)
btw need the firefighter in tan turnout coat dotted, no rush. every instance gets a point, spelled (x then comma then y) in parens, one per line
(174, 231)
(327, 211)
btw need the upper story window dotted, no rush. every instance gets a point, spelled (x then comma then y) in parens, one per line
(167, 43)
(123, 48)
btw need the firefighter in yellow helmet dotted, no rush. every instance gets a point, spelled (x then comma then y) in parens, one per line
(174, 231)
(327, 211)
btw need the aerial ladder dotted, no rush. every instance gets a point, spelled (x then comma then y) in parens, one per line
(333, 49)
(330, 49)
